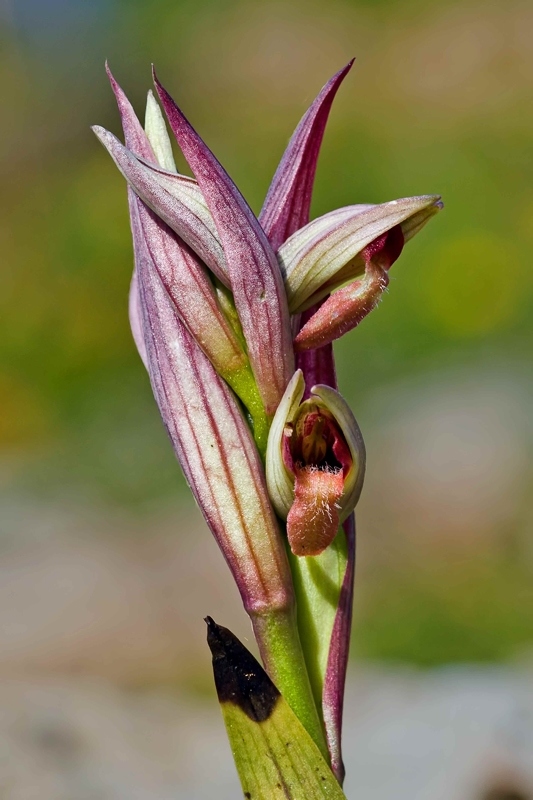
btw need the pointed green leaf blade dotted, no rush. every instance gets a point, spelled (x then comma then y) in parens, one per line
(274, 755)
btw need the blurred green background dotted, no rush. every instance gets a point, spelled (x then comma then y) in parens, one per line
(440, 377)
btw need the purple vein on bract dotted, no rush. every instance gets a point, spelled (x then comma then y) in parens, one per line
(137, 141)
(175, 198)
(159, 184)
(134, 136)
(184, 277)
(187, 283)
(253, 268)
(216, 451)
(288, 202)
(214, 446)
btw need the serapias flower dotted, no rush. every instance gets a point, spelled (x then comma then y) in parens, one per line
(315, 465)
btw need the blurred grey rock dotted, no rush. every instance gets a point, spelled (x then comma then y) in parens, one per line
(454, 734)
(99, 595)
(448, 734)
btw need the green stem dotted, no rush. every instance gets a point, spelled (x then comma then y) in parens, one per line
(279, 642)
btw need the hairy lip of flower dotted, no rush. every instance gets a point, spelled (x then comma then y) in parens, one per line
(316, 452)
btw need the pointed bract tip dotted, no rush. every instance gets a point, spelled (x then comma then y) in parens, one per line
(219, 639)
(342, 72)
(157, 83)
(164, 96)
(239, 678)
(339, 76)
(211, 633)
(112, 79)
(115, 86)
(99, 132)
(161, 91)
(104, 136)
(349, 65)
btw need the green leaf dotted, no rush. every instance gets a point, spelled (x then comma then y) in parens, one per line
(274, 755)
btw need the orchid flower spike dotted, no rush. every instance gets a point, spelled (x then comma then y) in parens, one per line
(315, 465)
(222, 306)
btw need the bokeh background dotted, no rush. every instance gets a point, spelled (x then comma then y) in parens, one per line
(106, 569)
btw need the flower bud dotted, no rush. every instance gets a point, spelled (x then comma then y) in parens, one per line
(329, 251)
(315, 465)
(346, 308)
